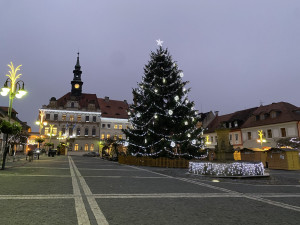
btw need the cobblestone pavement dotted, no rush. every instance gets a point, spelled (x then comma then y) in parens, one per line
(79, 190)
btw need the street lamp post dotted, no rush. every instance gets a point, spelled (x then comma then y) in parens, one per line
(15, 89)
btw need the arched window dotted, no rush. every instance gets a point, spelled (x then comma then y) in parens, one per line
(76, 147)
(92, 147)
(86, 147)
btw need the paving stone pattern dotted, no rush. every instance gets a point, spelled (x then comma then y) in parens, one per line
(80, 190)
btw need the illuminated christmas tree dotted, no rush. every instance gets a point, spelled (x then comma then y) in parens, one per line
(163, 119)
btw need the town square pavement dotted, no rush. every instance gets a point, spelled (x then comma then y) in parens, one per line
(80, 190)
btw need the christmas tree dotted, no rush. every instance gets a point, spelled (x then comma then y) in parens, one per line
(163, 119)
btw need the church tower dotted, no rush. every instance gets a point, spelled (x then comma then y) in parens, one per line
(76, 83)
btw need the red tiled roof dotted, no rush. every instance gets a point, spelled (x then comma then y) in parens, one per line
(83, 100)
(239, 116)
(5, 109)
(286, 113)
(217, 122)
(113, 108)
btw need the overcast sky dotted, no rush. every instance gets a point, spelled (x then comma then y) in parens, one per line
(235, 53)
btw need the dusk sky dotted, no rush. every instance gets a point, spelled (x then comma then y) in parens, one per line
(235, 53)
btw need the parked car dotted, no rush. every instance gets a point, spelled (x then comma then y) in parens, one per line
(52, 152)
(91, 154)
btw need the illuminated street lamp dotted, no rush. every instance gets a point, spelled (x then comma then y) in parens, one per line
(51, 132)
(261, 140)
(15, 89)
(41, 124)
(207, 142)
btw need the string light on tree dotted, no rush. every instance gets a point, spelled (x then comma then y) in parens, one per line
(161, 96)
(172, 144)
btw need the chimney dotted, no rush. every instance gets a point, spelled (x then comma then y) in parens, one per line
(125, 102)
(216, 113)
(106, 98)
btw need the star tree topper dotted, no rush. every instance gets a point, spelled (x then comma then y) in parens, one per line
(159, 42)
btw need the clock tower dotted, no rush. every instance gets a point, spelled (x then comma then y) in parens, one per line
(76, 83)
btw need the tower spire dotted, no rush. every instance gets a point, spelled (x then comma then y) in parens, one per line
(77, 63)
(76, 83)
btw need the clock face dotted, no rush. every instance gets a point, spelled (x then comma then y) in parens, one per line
(76, 85)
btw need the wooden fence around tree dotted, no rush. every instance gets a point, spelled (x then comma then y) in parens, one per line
(158, 162)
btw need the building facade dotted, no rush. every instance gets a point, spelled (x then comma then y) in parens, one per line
(81, 120)
(257, 128)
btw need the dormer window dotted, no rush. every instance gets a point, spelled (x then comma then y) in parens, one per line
(72, 104)
(262, 116)
(236, 124)
(273, 114)
(256, 118)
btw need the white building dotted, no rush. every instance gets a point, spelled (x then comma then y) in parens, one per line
(81, 119)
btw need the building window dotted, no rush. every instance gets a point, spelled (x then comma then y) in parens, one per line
(273, 114)
(94, 131)
(269, 131)
(249, 135)
(108, 136)
(283, 132)
(92, 147)
(211, 139)
(86, 131)
(102, 136)
(216, 138)
(236, 137)
(257, 118)
(86, 147)
(71, 117)
(56, 117)
(79, 118)
(120, 137)
(72, 104)
(108, 125)
(78, 132)
(116, 126)
(46, 130)
(47, 116)
(236, 123)
(115, 137)
(262, 116)
(63, 131)
(120, 127)
(70, 131)
(103, 125)
(76, 147)
(63, 118)
(94, 118)
(87, 119)
(230, 137)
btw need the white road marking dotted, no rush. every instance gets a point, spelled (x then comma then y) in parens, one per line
(267, 201)
(36, 197)
(52, 168)
(195, 195)
(100, 218)
(154, 195)
(136, 177)
(107, 169)
(82, 216)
